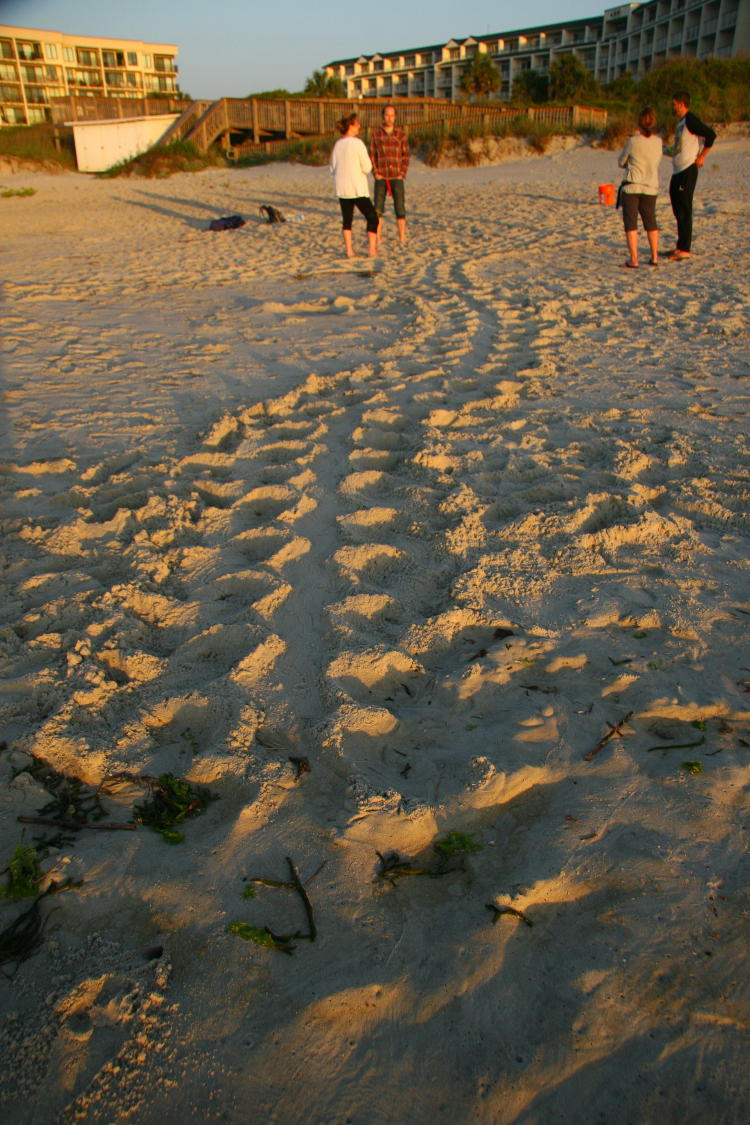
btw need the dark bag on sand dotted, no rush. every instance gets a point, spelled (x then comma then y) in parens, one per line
(271, 213)
(229, 222)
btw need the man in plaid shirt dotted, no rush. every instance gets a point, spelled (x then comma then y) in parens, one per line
(389, 152)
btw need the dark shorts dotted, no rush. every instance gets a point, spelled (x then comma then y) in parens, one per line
(364, 205)
(397, 188)
(634, 205)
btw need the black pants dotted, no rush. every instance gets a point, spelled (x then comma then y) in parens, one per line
(363, 204)
(681, 190)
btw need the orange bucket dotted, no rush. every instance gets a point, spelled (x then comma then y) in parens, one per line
(607, 194)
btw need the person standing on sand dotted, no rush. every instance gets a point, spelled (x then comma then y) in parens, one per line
(349, 166)
(389, 150)
(640, 158)
(692, 140)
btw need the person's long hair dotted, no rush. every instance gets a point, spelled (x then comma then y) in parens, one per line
(647, 121)
(345, 123)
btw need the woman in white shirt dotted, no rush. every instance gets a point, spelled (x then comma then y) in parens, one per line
(350, 163)
(640, 158)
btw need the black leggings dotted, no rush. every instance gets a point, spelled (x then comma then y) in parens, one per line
(363, 204)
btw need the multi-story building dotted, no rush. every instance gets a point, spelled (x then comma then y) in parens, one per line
(632, 37)
(36, 66)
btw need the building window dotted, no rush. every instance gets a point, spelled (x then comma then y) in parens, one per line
(36, 116)
(131, 79)
(29, 50)
(10, 93)
(50, 50)
(69, 54)
(6, 49)
(8, 72)
(132, 58)
(147, 62)
(86, 57)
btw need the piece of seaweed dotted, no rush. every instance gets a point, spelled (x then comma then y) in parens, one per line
(262, 935)
(171, 802)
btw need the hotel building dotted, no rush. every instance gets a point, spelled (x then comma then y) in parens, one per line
(631, 37)
(36, 66)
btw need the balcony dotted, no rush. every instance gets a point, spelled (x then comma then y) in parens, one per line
(728, 21)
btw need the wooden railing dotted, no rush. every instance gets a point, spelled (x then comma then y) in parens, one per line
(75, 108)
(269, 119)
(187, 120)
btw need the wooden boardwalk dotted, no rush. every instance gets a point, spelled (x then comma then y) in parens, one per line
(263, 120)
(260, 122)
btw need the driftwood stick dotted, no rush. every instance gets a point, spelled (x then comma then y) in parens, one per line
(613, 732)
(71, 826)
(299, 887)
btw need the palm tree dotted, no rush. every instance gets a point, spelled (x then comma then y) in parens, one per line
(481, 76)
(322, 85)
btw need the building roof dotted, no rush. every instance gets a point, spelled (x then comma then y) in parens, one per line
(585, 22)
(47, 33)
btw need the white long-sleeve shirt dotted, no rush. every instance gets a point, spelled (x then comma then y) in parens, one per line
(350, 163)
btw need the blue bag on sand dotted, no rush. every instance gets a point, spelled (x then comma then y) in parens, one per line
(230, 222)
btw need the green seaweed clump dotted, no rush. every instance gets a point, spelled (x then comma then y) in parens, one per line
(455, 844)
(23, 874)
(172, 801)
(693, 767)
(260, 935)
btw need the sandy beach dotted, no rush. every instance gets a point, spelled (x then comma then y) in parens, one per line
(454, 548)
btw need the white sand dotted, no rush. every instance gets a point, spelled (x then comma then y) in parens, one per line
(434, 530)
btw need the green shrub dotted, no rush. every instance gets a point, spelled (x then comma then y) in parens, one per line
(165, 160)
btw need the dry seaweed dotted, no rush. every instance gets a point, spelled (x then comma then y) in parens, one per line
(451, 852)
(24, 935)
(677, 745)
(393, 867)
(498, 912)
(73, 805)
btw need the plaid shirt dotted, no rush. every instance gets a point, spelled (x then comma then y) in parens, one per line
(389, 153)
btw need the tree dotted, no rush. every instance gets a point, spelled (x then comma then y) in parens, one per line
(481, 76)
(278, 93)
(530, 86)
(569, 80)
(322, 85)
